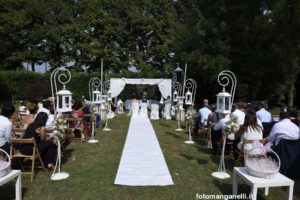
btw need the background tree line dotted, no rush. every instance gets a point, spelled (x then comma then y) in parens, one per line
(259, 40)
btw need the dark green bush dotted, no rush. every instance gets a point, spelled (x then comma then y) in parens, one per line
(21, 84)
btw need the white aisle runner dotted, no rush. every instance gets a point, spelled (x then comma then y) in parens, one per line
(142, 162)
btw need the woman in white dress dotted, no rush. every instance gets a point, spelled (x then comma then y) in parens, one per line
(135, 106)
(252, 129)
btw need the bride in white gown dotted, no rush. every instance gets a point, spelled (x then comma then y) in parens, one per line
(135, 108)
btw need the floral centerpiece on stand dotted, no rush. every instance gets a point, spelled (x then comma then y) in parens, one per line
(60, 126)
(231, 126)
(189, 114)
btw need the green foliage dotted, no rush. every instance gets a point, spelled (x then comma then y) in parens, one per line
(259, 40)
(33, 86)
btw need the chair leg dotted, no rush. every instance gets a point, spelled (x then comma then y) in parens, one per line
(41, 161)
(32, 168)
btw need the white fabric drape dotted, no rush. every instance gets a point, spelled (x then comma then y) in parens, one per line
(117, 85)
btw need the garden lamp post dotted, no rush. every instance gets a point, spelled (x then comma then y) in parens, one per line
(190, 95)
(95, 98)
(177, 97)
(63, 104)
(224, 102)
(107, 107)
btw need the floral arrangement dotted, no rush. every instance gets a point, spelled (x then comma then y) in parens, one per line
(93, 110)
(232, 125)
(59, 128)
(189, 114)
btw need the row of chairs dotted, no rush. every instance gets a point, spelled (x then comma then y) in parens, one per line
(35, 160)
(15, 154)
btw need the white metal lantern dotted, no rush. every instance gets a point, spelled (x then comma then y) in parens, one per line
(64, 100)
(103, 98)
(223, 102)
(96, 97)
(109, 95)
(188, 98)
(175, 96)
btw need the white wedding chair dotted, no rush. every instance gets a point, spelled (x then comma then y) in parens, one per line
(167, 111)
(154, 112)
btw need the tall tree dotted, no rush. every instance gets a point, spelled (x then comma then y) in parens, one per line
(202, 41)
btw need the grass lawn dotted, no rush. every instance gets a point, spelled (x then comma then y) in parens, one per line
(93, 168)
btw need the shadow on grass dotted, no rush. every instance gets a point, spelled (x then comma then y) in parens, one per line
(200, 141)
(66, 155)
(202, 161)
(174, 135)
(188, 157)
(225, 188)
(204, 150)
(165, 125)
(7, 191)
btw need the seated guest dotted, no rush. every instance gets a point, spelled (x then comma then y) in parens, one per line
(251, 130)
(213, 136)
(23, 108)
(203, 113)
(28, 119)
(293, 115)
(6, 126)
(236, 111)
(45, 144)
(51, 119)
(218, 124)
(44, 108)
(77, 112)
(283, 129)
(262, 114)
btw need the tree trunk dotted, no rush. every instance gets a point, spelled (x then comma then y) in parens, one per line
(291, 95)
(33, 66)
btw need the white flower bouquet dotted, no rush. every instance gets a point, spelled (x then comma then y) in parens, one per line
(59, 128)
(189, 114)
(232, 125)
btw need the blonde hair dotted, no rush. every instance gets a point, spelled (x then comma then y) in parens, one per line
(32, 108)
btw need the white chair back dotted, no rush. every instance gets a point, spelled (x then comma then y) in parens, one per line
(144, 109)
(154, 111)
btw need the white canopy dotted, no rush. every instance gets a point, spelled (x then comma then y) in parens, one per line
(117, 85)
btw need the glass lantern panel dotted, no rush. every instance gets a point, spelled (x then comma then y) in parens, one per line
(175, 96)
(220, 104)
(95, 97)
(60, 101)
(188, 99)
(67, 102)
(227, 102)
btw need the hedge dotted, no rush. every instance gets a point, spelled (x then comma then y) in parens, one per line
(19, 85)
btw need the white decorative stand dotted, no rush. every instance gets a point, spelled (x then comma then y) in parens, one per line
(59, 175)
(178, 120)
(190, 141)
(92, 138)
(221, 173)
(106, 125)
